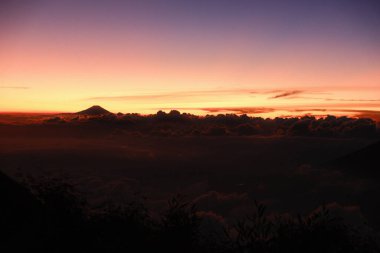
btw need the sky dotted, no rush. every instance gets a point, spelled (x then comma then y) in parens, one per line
(262, 57)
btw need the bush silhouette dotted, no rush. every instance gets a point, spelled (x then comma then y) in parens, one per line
(255, 232)
(63, 222)
(180, 226)
(122, 227)
(319, 232)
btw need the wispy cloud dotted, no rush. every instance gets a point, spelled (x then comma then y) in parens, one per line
(369, 114)
(240, 110)
(179, 94)
(373, 114)
(352, 100)
(132, 97)
(15, 87)
(328, 104)
(283, 94)
(330, 99)
(237, 109)
(308, 110)
(200, 93)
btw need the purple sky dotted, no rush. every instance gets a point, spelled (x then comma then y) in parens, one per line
(59, 55)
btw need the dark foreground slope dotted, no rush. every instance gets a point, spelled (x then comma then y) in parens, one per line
(364, 162)
(20, 215)
(364, 165)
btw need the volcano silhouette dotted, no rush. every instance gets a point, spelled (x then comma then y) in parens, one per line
(94, 111)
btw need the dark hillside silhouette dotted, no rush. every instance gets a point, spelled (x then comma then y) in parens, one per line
(364, 162)
(20, 215)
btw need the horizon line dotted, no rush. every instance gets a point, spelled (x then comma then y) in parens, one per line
(249, 111)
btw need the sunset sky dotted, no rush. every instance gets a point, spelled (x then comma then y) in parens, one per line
(264, 57)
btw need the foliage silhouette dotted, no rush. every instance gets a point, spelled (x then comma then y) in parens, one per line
(67, 223)
(180, 226)
(319, 232)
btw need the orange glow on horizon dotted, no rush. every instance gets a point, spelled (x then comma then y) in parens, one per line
(62, 68)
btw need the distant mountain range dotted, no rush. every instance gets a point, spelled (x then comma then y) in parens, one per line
(94, 111)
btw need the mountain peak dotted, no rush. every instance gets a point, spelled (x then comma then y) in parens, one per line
(94, 110)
